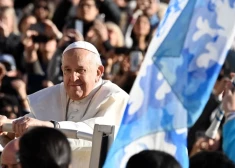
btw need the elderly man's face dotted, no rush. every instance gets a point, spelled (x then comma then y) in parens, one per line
(81, 73)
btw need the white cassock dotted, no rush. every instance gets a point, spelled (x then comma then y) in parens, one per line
(104, 105)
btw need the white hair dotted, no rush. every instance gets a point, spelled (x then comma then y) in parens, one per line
(96, 58)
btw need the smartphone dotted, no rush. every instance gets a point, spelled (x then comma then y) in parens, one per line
(79, 26)
(136, 58)
(39, 27)
(101, 17)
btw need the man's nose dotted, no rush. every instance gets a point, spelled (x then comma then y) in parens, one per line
(74, 76)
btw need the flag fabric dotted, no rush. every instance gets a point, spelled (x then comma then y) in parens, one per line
(175, 80)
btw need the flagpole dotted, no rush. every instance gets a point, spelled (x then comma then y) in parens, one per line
(211, 132)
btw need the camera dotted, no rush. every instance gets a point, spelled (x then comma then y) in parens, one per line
(40, 39)
(40, 28)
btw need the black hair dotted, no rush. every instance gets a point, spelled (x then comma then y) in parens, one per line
(97, 3)
(46, 4)
(37, 3)
(152, 159)
(24, 17)
(11, 102)
(211, 159)
(43, 147)
(225, 70)
(134, 38)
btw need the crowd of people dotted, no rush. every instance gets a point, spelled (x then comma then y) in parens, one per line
(77, 60)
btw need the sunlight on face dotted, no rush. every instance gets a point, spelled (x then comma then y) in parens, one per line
(80, 73)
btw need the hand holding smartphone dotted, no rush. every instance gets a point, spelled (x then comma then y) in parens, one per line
(136, 58)
(101, 17)
(79, 26)
(38, 27)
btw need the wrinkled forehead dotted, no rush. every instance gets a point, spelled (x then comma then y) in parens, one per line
(78, 53)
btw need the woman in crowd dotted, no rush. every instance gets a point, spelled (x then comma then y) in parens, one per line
(141, 33)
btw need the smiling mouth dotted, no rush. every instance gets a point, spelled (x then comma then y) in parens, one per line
(75, 85)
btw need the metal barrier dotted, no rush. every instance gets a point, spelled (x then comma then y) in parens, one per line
(101, 138)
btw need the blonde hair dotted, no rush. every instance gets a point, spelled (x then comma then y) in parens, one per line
(10, 11)
(118, 32)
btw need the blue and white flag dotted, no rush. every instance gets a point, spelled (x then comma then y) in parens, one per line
(175, 80)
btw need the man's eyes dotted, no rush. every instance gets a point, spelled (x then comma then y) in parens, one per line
(80, 71)
(66, 70)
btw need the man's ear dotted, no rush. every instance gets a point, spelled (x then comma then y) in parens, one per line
(100, 72)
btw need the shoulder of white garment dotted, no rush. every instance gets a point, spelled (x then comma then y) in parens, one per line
(110, 87)
(44, 93)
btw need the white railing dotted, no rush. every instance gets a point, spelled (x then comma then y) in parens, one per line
(101, 138)
(69, 133)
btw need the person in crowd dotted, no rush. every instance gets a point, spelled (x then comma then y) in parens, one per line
(8, 156)
(141, 34)
(125, 77)
(38, 52)
(10, 41)
(65, 11)
(7, 3)
(80, 102)
(204, 143)
(106, 37)
(206, 159)
(124, 15)
(26, 22)
(228, 104)
(154, 9)
(88, 11)
(9, 106)
(113, 59)
(197, 140)
(152, 159)
(12, 86)
(102, 35)
(43, 147)
(42, 10)
(129, 67)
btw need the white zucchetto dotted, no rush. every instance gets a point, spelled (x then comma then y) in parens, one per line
(83, 45)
